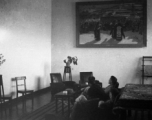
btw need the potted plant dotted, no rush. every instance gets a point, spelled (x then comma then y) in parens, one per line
(70, 60)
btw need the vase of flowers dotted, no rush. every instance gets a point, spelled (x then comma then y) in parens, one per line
(70, 60)
(2, 60)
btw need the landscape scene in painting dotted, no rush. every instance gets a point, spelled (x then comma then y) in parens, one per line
(114, 24)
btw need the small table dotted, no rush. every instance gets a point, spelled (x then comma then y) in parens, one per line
(64, 95)
(136, 97)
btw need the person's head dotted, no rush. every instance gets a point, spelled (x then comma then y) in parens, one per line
(91, 80)
(113, 80)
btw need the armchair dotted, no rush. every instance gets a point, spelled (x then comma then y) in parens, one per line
(84, 77)
(58, 85)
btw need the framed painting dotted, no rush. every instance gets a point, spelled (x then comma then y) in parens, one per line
(111, 24)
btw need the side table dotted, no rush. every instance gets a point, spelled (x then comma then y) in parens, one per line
(64, 95)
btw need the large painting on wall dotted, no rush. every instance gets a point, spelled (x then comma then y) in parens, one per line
(111, 24)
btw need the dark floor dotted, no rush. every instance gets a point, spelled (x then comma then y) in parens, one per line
(18, 111)
(43, 99)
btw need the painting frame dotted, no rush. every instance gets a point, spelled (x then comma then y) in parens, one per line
(104, 15)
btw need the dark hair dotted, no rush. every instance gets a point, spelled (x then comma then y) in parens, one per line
(113, 79)
(91, 79)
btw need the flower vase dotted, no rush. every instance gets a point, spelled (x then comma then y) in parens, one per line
(68, 64)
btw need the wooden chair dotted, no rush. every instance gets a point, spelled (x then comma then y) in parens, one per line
(21, 89)
(4, 99)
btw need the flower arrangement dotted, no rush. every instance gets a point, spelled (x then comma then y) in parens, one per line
(70, 59)
(2, 60)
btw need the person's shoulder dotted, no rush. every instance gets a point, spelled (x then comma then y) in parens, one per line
(85, 91)
(108, 88)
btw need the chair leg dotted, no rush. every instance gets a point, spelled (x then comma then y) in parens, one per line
(149, 115)
(16, 100)
(135, 117)
(142, 115)
(24, 101)
(129, 113)
(32, 98)
(3, 109)
(4, 106)
(10, 108)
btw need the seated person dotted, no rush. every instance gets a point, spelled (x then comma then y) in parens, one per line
(107, 106)
(94, 90)
(87, 109)
(112, 84)
(113, 93)
(86, 105)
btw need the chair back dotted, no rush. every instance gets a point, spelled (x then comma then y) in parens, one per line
(84, 77)
(56, 77)
(56, 84)
(20, 83)
(1, 89)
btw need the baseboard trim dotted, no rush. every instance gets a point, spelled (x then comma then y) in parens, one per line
(41, 91)
(38, 92)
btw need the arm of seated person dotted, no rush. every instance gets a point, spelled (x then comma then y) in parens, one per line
(81, 98)
(85, 92)
(105, 105)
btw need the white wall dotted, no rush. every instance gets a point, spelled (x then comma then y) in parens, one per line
(25, 42)
(124, 63)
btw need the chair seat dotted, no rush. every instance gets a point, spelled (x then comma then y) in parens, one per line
(6, 97)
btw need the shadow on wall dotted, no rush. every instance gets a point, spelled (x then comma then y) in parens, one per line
(13, 87)
(46, 76)
(38, 83)
(75, 78)
(44, 81)
(137, 78)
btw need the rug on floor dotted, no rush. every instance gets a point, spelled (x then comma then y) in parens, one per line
(47, 111)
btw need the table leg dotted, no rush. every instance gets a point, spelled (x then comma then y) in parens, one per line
(149, 115)
(129, 113)
(56, 104)
(68, 106)
(62, 107)
(135, 118)
(142, 115)
(123, 115)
